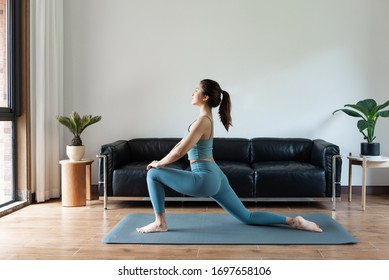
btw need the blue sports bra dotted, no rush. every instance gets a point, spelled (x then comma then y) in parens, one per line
(202, 149)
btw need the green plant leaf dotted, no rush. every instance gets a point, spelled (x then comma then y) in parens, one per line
(362, 125)
(75, 120)
(349, 112)
(364, 112)
(384, 105)
(88, 120)
(369, 105)
(66, 122)
(374, 114)
(384, 114)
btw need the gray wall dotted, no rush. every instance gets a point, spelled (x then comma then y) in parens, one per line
(287, 64)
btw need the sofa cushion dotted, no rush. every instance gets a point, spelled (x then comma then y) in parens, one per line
(289, 179)
(280, 149)
(240, 176)
(231, 149)
(149, 149)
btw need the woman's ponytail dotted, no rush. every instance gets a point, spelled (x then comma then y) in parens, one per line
(225, 110)
(213, 90)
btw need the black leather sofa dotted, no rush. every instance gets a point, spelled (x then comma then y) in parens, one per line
(258, 169)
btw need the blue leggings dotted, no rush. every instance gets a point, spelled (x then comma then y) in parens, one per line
(205, 179)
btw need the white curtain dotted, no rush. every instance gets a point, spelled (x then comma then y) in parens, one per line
(46, 96)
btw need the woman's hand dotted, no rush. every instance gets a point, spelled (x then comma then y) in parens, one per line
(153, 164)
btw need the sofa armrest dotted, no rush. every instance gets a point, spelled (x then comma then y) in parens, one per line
(322, 156)
(322, 152)
(117, 154)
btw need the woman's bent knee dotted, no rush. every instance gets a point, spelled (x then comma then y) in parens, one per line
(153, 174)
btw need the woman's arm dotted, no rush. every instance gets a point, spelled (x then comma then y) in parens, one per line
(197, 130)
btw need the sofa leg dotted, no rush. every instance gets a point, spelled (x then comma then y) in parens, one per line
(104, 158)
(334, 182)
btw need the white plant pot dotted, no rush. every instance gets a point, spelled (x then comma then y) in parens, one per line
(75, 153)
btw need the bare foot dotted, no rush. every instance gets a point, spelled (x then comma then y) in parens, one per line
(300, 223)
(153, 227)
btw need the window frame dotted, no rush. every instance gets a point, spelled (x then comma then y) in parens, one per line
(10, 113)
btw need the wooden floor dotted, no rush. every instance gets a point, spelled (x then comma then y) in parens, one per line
(50, 231)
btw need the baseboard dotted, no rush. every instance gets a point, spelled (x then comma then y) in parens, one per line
(372, 190)
(94, 192)
(12, 207)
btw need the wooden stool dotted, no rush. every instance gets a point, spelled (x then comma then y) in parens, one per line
(75, 182)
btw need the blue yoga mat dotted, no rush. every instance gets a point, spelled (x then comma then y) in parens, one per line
(224, 229)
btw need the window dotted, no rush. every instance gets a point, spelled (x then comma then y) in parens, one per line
(7, 193)
(9, 95)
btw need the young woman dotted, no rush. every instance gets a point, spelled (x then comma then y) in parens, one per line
(205, 177)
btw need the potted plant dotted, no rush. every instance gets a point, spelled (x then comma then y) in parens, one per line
(76, 124)
(368, 111)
